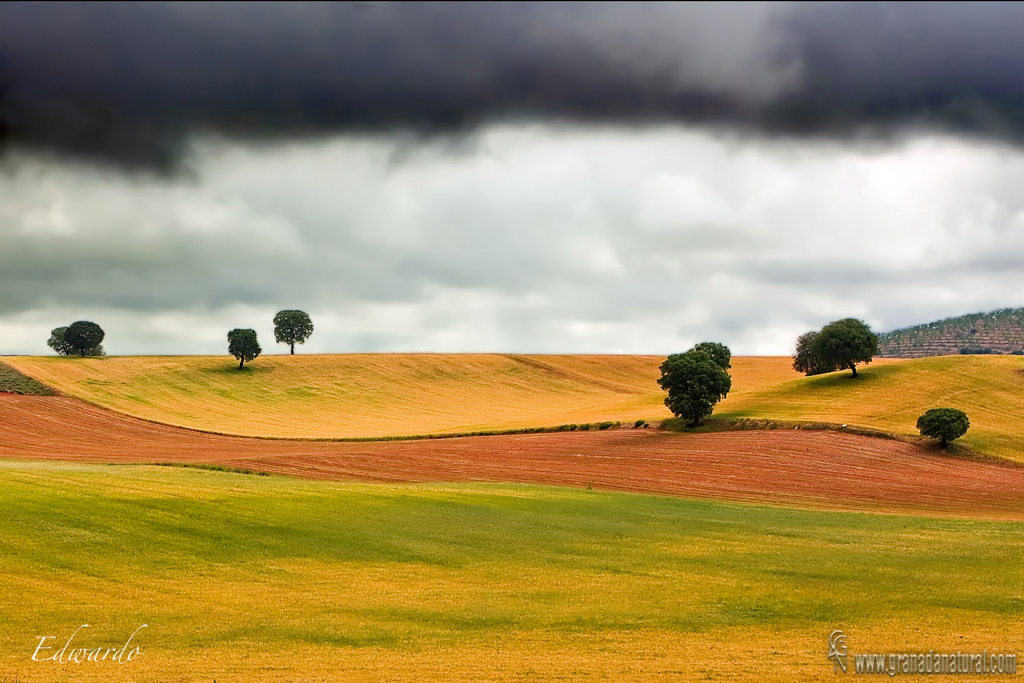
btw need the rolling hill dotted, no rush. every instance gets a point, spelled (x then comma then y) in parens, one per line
(999, 332)
(890, 396)
(387, 395)
(378, 395)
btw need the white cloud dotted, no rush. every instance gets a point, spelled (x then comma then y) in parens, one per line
(533, 238)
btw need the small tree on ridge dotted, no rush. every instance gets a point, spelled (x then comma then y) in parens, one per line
(83, 336)
(292, 327)
(59, 343)
(242, 344)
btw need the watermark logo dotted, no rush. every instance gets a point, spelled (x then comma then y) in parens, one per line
(84, 654)
(931, 662)
(837, 650)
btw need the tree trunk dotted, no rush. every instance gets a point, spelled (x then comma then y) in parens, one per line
(240, 363)
(293, 348)
(853, 366)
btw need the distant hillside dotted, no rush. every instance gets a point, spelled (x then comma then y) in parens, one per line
(890, 395)
(999, 332)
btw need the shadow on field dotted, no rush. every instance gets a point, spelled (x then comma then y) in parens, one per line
(231, 368)
(865, 375)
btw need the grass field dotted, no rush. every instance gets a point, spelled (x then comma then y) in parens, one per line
(890, 396)
(245, 578)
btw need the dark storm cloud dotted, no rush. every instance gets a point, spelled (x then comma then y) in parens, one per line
(954, 66)
(128, 83)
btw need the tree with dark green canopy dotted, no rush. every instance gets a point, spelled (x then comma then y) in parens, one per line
(719, 353)
(844, 343)
(944, 424)
(83, 336)
(292, 327)
(695, 382)
(805, 360)
(242, 344)
(59, 343)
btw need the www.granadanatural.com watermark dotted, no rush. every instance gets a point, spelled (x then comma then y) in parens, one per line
(931, 662)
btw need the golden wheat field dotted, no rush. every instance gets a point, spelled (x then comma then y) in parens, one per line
(376, 395)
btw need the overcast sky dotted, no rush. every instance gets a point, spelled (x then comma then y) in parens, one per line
(508, 177)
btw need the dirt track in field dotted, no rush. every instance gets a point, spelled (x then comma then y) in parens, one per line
(819, 469)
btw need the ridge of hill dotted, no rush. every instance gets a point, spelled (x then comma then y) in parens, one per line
(995, 332)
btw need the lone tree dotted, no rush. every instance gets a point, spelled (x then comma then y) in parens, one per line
(844, 343)
(944, 424)
(59, 343)
(83, 337)
(805, 360)
(242, 345)
(695, 382)
(292, 327)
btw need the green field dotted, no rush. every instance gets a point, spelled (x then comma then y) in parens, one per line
(245, 578)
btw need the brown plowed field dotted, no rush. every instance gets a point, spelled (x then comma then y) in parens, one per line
(819, 469)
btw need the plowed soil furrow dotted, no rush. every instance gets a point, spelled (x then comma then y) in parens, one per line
(820, 469)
